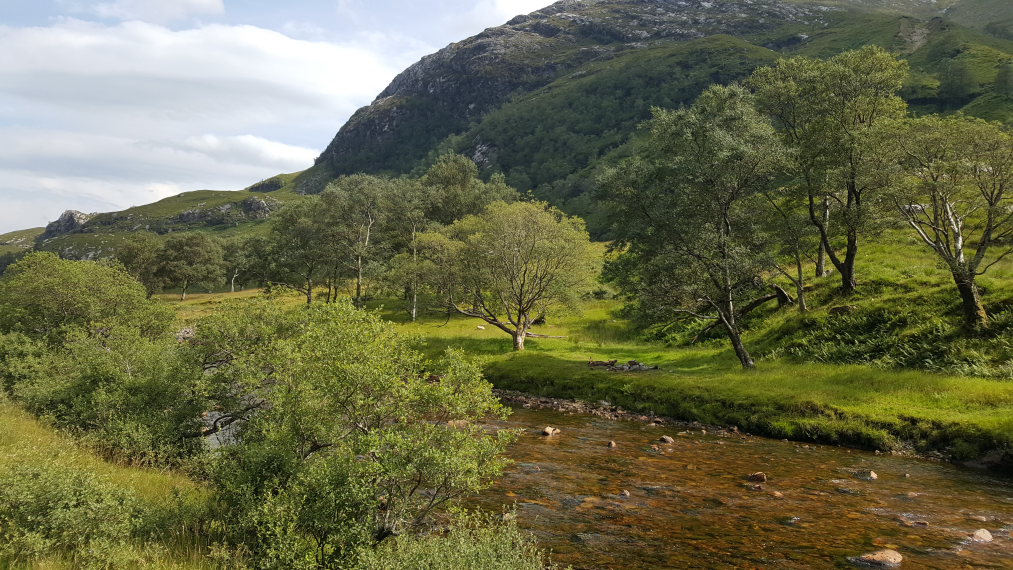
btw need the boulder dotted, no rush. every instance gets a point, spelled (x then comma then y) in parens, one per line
(880, 559)
(981, 535)
(550, 431)
(666, 439)
(758, 477)
(612, 444)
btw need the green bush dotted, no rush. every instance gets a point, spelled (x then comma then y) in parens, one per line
(48, 510)
(473, 543)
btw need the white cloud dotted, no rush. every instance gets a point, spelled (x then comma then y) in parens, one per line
(104, 117)
(157, 11)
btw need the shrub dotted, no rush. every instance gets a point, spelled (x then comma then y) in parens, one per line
(474, 542)
(47, 510)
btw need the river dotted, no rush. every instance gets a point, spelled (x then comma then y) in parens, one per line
(690, 504)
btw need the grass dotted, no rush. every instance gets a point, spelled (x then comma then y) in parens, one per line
(898, 373)
(24, 440)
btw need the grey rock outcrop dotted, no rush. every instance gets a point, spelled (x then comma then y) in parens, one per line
(68, 222)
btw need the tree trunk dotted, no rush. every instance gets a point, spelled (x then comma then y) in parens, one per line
(740, 349)
(821, 256)
(519, 339)
(848, 282)
(232, 282)
(309, 291)
(975, 316)
(415, 303)
(800, 284)
(182, 291)
(358, 284)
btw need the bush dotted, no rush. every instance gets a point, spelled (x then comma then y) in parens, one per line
(126, 394)
(46, 510)
(473, 543)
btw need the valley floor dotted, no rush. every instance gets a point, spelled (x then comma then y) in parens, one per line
(961, 418)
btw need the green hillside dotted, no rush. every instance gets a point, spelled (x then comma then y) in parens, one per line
(20, 240)
(224, 213)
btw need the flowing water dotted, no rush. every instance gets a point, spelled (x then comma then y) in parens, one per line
(690, 504)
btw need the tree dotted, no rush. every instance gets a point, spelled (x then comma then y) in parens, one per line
(245, 260)
(513, 263)
(821, 108)
(141, 256)
(791, 237)
(455, 190)
(954, 192)
(299, 251)
(45, 297)
(956, 83)
(357, 208)
(356, 441)
(191, 259)
(685, 210)
(408, 268)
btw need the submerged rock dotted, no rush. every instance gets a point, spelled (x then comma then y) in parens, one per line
(550, 431)
(758, 477)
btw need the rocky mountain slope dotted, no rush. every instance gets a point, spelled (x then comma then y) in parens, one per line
(450, 92)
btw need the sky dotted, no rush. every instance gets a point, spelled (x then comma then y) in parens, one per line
(107, 104)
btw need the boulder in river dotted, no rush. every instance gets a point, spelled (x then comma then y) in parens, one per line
(880, 559)
(981, 535)
(613, 444)
(867, 475)
(550, 431)
(758, 477)
(666, 439)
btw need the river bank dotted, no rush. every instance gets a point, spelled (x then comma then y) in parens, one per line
(961, 420)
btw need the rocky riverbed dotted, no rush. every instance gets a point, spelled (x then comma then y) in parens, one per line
(615, 489)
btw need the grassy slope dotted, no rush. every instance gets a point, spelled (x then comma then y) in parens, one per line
(26, 440)
(20, 240)
(107, 231)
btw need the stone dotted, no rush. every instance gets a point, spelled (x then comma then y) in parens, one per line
(624, 493)
(758, 477)
(978, 518)
(550, 431)
(881, 559)
(613, 444)
(777, 495)
(480, 327)
(666, 439)
(867, 475)
(981, 535)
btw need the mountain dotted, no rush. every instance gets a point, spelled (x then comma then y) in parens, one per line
(546, 94)
(549, 97)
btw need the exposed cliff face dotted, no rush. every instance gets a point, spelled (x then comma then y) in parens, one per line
(69, 221)
(446, 91)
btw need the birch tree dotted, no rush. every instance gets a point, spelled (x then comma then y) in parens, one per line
(513, 263)
(684, 210)
(954, 193)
